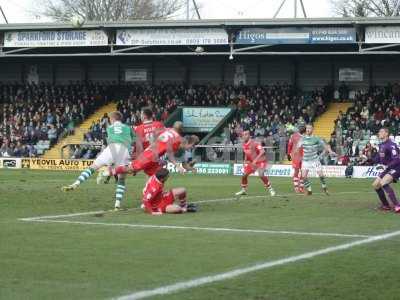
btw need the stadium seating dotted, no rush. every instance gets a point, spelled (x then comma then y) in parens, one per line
(377, 107)
(35, 116)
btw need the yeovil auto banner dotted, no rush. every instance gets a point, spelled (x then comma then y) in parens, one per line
(202, 119)
(292, 35)
(56, 164)
(74, 38)
(382, 34)
(181, 36)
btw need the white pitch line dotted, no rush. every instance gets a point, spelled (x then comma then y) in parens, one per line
(184, 285)
(200, 201)
(205, 228)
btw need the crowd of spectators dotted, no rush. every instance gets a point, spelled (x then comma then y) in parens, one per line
(374, 108)
(40, 114)
(267, 111)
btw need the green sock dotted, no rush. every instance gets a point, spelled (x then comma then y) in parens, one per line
(84, 176)
(307, 184)
(120, 190)
(323, 181)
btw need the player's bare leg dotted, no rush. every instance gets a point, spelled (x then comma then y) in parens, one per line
(244, 184)
(182, 206)
(266, 182)
(385, 206)
(385, 182)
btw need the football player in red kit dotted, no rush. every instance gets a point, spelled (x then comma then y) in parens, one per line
(157, 202)
(295, 154)
(168, 142)
(148, 131)
(255, 160)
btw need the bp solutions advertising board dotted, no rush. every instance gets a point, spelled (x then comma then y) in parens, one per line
(179, 36)
(292, 35)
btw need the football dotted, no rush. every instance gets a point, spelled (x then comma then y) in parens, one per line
(77, 21)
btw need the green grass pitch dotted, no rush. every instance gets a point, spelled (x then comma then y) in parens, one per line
(89, 257)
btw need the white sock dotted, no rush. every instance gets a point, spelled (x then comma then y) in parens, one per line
(118, 203)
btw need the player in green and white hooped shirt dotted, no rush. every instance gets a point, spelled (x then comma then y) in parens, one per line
(312, 145)
(119, 141)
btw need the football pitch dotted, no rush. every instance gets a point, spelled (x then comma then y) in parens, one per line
(56, 245)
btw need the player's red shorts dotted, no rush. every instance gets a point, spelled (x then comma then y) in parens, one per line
(165, 199)
(147, 163)
(249, 168)
(296, 164)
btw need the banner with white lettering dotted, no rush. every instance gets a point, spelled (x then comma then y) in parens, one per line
(180, 36)
(299, 35)
(287, 171)
(66, 38)
(382, 34)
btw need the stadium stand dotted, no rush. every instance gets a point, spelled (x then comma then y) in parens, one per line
(35, 116)
(356, 128)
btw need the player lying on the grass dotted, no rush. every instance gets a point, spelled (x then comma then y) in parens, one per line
(255, 160)
(119, 141)
(168, 143)
(157, 202)
(295, 154)
(388, 155)
(312, 145)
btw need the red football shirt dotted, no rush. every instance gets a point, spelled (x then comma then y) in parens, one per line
(294, 148)
(147, 132)
(251, 150)
(152, 194)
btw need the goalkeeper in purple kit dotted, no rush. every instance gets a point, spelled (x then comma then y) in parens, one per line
(388, 155)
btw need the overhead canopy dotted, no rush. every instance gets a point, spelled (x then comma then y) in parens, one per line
(323, 36)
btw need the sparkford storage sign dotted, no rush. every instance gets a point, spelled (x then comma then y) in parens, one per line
(72, 38)
(56, 164)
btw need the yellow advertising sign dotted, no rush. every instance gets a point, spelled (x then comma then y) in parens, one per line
(56, 164)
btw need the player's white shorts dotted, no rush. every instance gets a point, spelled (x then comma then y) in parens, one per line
(113, 154)
(311, 165)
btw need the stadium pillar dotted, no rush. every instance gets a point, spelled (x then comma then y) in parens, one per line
(85, 67)
(333, 74)
(53, 73)
(258, 73)
(23, 72)
(295, 73)
(371, 75)
(119, 74)
(223, 72)
(153, 73)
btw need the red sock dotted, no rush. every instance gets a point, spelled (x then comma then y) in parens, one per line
(244, 182)
(120, 170)
(265, 179)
